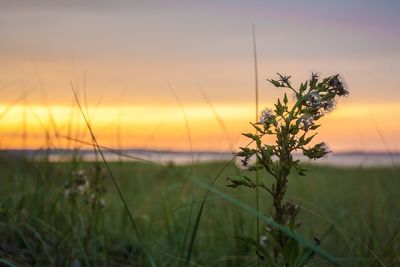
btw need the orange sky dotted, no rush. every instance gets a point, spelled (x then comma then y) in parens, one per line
(121, 55)
(350, 127)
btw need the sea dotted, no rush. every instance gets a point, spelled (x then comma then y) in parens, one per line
(350, 159)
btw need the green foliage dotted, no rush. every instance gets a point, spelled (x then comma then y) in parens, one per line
(359, 204)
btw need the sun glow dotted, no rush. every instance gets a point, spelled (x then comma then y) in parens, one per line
(350, 127)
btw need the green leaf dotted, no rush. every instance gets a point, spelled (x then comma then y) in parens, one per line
(279, 108)
(303, 87)
(245, 149)
(300, 170)
(314, 127)
(256, 127)
(294, 129)
(275, 83)
(249, 135)
(240, 180)
(285, 99)
(245, 152)
(304, 141)
(258, 141)
(308, 139)
(301, 138)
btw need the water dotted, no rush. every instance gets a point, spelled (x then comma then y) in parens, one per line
(351, 159)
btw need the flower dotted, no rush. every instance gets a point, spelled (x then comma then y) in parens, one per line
(338, 86)
(329, 105)
(314, 99)
(245, 163)
(306, 121)
(266, 116)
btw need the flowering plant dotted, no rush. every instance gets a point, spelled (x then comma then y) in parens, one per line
(87, 187)
(293, 129)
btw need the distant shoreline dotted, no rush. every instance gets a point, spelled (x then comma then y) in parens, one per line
(162, 151)
(350, 158)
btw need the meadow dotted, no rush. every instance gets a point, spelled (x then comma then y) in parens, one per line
(354, 212)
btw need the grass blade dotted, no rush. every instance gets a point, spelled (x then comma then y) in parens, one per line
(199, 214)
(268, 220)
(113, 179)
(6, 263)
(24, 239)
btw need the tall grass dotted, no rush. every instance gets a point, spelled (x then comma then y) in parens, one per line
(358, 207)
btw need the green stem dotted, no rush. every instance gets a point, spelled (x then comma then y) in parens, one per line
(258, 204)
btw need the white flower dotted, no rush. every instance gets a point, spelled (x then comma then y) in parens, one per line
(244, 163)
(314, 99)
(266, 115)
(306, 121)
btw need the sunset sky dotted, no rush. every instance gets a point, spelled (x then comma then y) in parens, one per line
(129, 54)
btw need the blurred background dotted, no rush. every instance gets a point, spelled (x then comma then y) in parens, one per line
(143, 68)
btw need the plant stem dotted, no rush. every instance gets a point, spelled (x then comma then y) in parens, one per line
(285, 159)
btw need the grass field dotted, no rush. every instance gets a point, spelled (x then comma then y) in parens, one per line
(354, 211)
